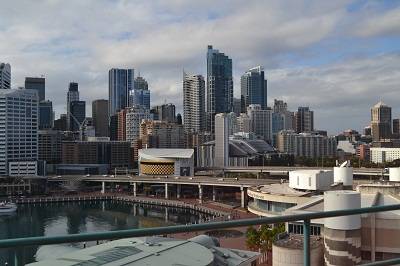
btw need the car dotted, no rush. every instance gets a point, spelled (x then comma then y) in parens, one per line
(87, 175)
(220, 179)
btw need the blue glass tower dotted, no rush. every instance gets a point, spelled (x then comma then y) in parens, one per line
(46, 116)
(120, 83)
(253, 88)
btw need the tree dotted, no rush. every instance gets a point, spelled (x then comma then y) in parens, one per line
(263, 238)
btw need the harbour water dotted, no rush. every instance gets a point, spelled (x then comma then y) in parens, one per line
(50, 219)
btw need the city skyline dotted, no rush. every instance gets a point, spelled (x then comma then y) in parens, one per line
(352, 57)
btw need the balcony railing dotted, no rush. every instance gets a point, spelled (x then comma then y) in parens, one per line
(306, 218)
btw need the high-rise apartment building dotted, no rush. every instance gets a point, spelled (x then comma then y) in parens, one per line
(72, 95)
(77, 114)
(121, 128)
(260, 121)
(194, 117)
(237, 106)
(134, 117)
(18, 128)
(46, 115)
(120, 84)
(5, 76)
(396, 128)
(219, 98)
(140, 95)
(304, 120)
(253, 86)
(100, 117)
(221, 157)
(61, 123)
(381, 121)
(162, 134)
(164, 112)
(38, 84)
(306, 144)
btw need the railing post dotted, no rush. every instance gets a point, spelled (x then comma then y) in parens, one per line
(306, 242)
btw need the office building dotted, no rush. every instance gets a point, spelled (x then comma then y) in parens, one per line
(140, 95)
(46, 115)
(114, 127)
(121, 125)
(237, 106)
(5, 76)
(260, 121)
(253, 86)
(179, 119)
(221, 140)
(49, 146)
(164, 112)
(77, 114)
(304, 120)
(194, 117)
(381, 121)
(100, 117)
(396, 128)
(38, 84)
(384, 155)
(120, 84)
(161, 134)
(243, 123)
(134, 117)
(18, 128)
(219, 92)
(72, 96)
(61, 123)
(305, 144)
(115, 154)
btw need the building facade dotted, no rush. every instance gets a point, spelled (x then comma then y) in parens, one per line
(304, 120)
(120, 84)
(381, 121)
(221, 140)
(46, 115)
(164, 112)
(100, 117)
(253, 86)
(5, 76)
(72, 96)
(194, 117)
(49, 146)
(306, 144)
(260, 121)
(77, 114)
(134, 117)
(38, 84)
(18, 128)
(383, 155)
(219, 93)
(161, 134)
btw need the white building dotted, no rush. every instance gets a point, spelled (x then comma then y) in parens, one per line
(194, 94)
(381, 155)
(5, 76)
(260, 121)
(166, 162)
(221, 139)
(134, 117)
(18, 129)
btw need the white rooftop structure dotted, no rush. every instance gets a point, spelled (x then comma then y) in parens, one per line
(310, 179)
(198, 251)
(166, 153)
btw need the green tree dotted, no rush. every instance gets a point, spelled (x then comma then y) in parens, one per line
(263, 238)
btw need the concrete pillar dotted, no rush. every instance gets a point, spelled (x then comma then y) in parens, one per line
(214, 194)
(373, 236)
(166, 191)
(134, 189)
(242, 197)
(166, 214)
(200, 194)
(103, 187)
(178, 191)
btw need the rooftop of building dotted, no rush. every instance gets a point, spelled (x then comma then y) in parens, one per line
(282, 189)
(167, 153)
(246, 147)
(200, 250)
(293, 241)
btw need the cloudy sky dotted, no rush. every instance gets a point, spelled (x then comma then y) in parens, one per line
(338, 57)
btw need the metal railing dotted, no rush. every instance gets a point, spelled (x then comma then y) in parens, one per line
(111, 235)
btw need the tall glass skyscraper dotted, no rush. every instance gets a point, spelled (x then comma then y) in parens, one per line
(72, 95)
(219, 85)
(5, 76)
(140, 95)
(253, 88)
(38, 84)
(46, 115)
(120, 84)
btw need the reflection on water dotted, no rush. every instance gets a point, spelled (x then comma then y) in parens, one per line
(52, 219)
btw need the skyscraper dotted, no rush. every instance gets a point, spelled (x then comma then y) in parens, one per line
(18, 128)
(193, 103)
(221, 158)
(219, 85)
(100, 117)
(140, 97)
(120, 84)
(253, 88)
(46, 115)
(5, 76)
(38, 84)
(164, 112)
(134, 116)
(72, 95)
(304, 120)
(381, 121)
(141, 83)
(260, 121)
(77, 115)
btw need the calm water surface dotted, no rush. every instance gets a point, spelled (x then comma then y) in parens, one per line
(52, 219)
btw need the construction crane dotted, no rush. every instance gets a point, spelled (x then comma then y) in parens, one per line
(81, 125)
